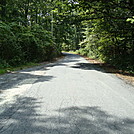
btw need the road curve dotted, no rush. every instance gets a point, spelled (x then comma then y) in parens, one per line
(70, 96)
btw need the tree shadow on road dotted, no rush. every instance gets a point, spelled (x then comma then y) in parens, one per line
(32, 75)
(87, 66)
(16, 80)
(27, 76)
(24, 117)
(103, 67)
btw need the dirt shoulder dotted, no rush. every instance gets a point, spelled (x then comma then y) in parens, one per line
(129, 78)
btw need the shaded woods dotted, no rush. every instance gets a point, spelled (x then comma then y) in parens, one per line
(37, 30)
(109, 32)
(26, 32)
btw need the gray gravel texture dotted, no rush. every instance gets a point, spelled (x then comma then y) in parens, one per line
(70, 96)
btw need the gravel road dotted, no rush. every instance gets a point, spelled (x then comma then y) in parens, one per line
(70, 96)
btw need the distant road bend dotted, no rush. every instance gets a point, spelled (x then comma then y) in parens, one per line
(70, 96)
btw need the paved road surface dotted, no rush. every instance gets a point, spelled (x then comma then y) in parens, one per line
(70, 96)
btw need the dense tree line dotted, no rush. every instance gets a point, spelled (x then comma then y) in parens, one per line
(103, 30)
(37, 30)
(30, 31)
(109, 31)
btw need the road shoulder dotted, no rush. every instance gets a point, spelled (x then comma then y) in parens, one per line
(126, 76)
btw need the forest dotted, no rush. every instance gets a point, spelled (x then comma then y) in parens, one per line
(39, 30)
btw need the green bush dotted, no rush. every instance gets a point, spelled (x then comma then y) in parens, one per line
(9, 49)
(20, 44)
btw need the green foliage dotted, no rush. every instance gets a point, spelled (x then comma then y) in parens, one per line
(37, 30)
(109, 36)
(36, 43)
(131, 20)
(26, 32)
(8, 44)
(19, 44)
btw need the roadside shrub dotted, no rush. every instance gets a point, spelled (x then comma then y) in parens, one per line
(9, 49)
(20, 44)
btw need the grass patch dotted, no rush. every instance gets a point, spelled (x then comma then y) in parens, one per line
(2, 71)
